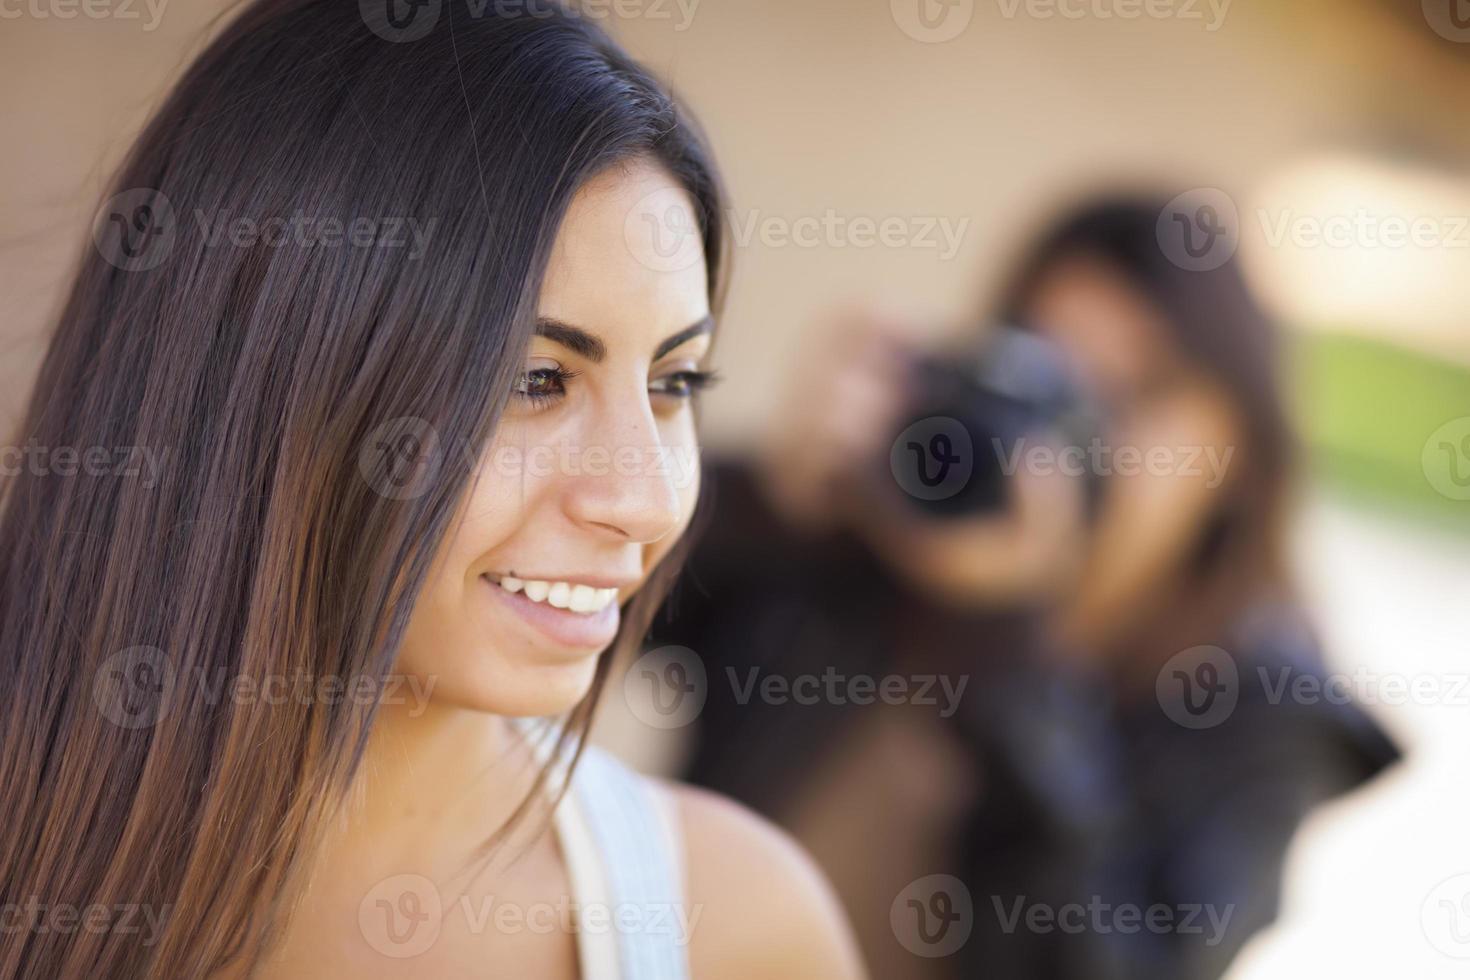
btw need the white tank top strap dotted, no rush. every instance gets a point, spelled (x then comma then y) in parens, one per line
(624, 856)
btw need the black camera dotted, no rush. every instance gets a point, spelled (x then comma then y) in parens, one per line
(979, 414)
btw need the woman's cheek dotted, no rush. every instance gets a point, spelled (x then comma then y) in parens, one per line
(684, 470)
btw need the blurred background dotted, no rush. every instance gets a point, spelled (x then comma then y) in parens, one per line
(1329, 136)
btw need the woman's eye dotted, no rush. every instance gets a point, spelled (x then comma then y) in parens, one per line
(542, 384)
(683, 384)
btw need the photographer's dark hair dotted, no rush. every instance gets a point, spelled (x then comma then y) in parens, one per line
(1217, 326)
(259, 373)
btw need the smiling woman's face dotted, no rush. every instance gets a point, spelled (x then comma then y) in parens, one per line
(592, 475)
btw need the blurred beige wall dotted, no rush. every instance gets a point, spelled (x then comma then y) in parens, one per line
(822, 109)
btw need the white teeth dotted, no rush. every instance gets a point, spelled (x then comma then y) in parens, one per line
(562, 595)
(583, 599)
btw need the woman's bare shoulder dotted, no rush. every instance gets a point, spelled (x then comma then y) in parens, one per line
(764, 907)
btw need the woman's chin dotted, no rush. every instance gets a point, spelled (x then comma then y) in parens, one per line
(519, 675)
(529, 690)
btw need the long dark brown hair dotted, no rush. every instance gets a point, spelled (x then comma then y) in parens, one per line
(256, 371)
(1219, 329)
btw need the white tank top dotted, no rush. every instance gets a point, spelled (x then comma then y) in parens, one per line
(624, 857)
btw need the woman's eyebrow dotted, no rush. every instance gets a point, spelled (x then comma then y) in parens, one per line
(688, 333)
(588, 345)
(573, 338)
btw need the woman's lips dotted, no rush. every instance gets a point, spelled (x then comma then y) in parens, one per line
(582, 631)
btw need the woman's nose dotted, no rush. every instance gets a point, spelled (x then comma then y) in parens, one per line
(627, 484)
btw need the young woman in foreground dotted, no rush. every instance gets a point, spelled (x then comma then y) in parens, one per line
(259, 710)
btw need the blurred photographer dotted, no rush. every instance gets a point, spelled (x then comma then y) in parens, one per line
(1082, 511)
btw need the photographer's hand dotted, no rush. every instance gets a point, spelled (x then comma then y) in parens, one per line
(849, 386)
(1150, 522)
